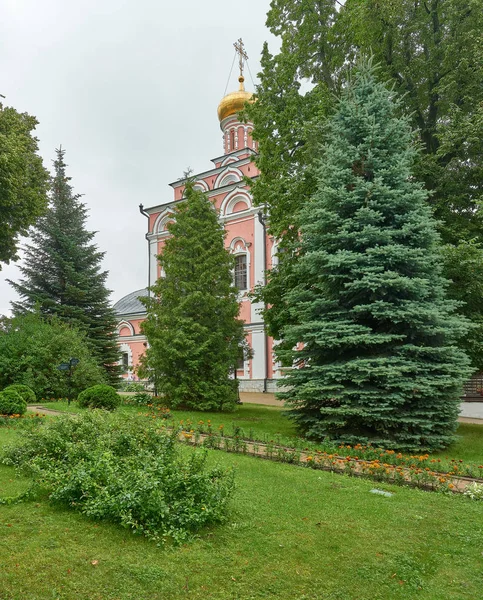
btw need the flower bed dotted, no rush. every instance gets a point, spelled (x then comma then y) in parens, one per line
(378, 464)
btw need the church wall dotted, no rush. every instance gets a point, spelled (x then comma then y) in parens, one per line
(245, 235)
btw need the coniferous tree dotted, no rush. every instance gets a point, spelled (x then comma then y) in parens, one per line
(62, 275)
(192, 325)
(379, 361)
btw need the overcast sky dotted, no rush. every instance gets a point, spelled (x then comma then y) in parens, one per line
(130, 89)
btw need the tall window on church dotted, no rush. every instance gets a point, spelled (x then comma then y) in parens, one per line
(125, 360)
(232, 139)
(241, 278)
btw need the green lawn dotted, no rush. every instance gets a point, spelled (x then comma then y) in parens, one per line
(292, 534)
(259, 421)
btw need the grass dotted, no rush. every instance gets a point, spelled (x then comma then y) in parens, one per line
(469, 445)
(259, 421)
(293, 534)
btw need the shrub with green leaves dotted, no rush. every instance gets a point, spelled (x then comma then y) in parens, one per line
(131, 386)
(142, 398)
(33, 346)
(24, 391)
(12, 403)
(99, 396)
(126, 471)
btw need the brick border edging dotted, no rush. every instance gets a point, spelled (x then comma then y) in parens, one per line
(248, 448)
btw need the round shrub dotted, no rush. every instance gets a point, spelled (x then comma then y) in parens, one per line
(99, 396)
(24, 391)
(12, 403)
(142, 398)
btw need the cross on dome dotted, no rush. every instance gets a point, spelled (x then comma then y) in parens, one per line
(242, 55)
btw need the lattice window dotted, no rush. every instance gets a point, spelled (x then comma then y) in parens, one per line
(241, 275)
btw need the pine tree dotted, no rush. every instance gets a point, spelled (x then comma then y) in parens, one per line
(378, 362)
(62, 273)
(192, 326)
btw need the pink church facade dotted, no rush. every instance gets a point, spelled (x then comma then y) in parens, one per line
(254, 251)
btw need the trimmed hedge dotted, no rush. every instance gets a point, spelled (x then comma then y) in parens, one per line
(99, 396)
(24, 391)
(12, 403)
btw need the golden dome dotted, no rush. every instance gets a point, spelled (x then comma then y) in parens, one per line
(234, 102)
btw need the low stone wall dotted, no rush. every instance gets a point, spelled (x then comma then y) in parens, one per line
(256, 385)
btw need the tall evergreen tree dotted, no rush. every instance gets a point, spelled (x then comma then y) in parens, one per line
(192, 325)
(62, 273)
(379, 362)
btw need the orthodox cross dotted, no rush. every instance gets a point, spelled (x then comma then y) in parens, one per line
(240, 48)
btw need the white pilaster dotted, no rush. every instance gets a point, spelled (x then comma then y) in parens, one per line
(259, 267)
(258, 347)
(153, 252)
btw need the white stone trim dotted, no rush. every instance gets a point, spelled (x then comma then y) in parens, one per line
(132, 338)
(163, 218)
(232, 198)
(238, 247)
(233, 174)
(126, 349)
(228, 160)
(201, 185)
(121, 325)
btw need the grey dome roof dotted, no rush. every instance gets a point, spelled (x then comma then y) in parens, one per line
(130, 304)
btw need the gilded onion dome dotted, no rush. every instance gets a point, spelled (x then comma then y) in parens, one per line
(234, 102)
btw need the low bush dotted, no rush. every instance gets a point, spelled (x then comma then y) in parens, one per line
(99, 396)
(142, 398)
(131, 386)
(126, 471)
(12, 403)
(24, 391)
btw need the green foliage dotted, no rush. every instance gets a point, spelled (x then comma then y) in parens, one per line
(126, 471)
(463, 264)
(31, 348)
(192, 326)
(99, 396)
(131, 386)
(62, 275)
(23, 180)
(141, 398)
(432, 53)
(24, 391)
(12, 403)
(379, 362)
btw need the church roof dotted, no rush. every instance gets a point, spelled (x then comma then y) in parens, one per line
(131, 304)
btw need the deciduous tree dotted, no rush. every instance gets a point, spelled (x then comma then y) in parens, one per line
(431, 52)
(23, 180)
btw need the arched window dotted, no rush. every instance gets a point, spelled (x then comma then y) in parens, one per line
(232, 139)
(241, 274)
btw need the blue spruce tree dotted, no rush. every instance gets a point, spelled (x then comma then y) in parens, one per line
(376, 359)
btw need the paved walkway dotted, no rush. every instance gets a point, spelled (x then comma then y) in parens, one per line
(42, 410)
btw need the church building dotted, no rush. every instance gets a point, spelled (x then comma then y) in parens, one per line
(247, 239)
